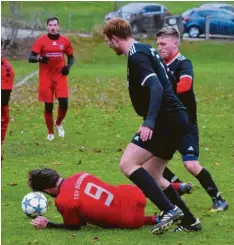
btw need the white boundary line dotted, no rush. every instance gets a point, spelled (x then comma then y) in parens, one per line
(25, 80)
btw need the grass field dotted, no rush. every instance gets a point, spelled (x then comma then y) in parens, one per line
(83, 15)
(99, 125)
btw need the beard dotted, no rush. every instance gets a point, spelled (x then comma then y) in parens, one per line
(117, 51)
(50, 194)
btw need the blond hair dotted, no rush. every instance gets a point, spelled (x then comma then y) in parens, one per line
(117, 27)
(169, 31)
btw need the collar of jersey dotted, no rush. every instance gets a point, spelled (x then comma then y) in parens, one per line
(172, 58)
(53, 37)
(131, 46)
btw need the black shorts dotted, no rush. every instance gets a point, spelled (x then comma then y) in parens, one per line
(167, 136)
(5, 96)
(189, 148)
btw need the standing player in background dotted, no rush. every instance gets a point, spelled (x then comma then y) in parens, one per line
(180, 70)
(7, 78)
(49, 51)
(163, 128)
(83, 198)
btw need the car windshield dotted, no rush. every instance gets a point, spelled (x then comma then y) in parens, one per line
(131, 8)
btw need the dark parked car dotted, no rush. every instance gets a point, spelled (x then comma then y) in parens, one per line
(221, 22)
(141, 15)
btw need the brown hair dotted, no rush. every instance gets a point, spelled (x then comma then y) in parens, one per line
(40, 179)
(51, 19)
(118, 27)
(169, 31)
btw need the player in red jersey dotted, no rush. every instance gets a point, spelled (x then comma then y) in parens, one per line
(83, 198)
(7, 78)
(49, 51)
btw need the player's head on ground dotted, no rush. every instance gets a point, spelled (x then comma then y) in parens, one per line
(117, 33)
(45, 179)
(168, 39)
(53, 25)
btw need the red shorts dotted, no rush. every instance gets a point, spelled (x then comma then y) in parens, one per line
(133, 203)
(48, 89)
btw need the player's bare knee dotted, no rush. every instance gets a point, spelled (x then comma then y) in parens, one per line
(123, 167)
(193, 167)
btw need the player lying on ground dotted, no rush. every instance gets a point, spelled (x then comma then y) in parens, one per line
(83, 198)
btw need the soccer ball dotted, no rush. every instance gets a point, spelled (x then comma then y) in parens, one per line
(34, 204)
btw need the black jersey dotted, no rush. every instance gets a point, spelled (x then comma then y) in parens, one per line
(178, 68)
(150, 90)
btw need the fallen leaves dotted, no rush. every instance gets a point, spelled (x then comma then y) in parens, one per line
(95, 239)
(12, 184)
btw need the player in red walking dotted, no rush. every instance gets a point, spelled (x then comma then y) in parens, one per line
(83, 198)
(7, 78)
(49, 51)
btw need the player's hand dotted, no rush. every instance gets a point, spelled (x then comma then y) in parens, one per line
(40, 222)
(43, 59)
(65, 70)
(145, 133)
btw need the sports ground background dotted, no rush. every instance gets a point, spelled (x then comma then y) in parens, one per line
(100, 123)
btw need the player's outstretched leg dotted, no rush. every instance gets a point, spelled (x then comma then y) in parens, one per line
(207, 182)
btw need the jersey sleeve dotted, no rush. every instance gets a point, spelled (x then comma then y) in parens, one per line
(37, 46)
(69, 49)
(70, 214)
(185, 77)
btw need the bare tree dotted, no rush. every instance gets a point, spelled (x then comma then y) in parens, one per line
(15, 8)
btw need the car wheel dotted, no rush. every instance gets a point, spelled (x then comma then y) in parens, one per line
(194, 32)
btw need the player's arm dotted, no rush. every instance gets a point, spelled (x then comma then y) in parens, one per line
(70, 59)
(186, 77)
(34, 56)
(42, 222)
(141, 64)
(70, 216)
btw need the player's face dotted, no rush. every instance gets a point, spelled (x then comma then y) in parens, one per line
(53, 192)
(113, 43)
(167, 46)
(53, 27)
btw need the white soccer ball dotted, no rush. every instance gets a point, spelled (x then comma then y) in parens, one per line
(34, 204)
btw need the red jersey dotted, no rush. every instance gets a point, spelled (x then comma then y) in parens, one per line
(85, 198)
(55, 50)
(7, 75)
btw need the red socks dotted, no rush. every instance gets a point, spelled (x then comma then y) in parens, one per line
(176, 186)
(61, 115)
(150, 220)
(5, 118)
(49, 122)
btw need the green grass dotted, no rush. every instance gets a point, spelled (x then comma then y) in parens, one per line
(83, 15)
(99, 124)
